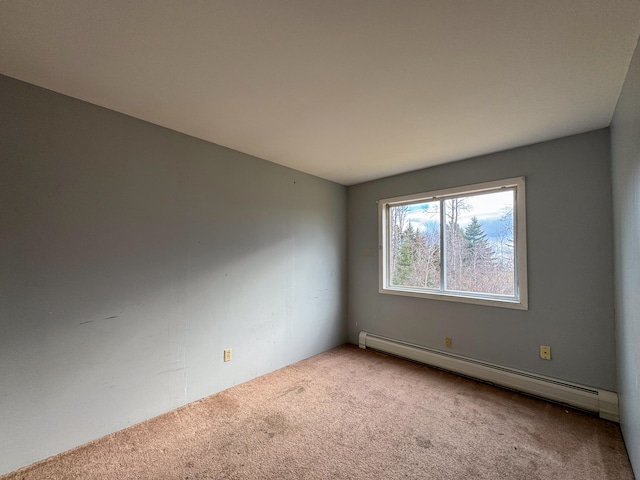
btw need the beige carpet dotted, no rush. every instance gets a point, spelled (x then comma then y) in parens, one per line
(354, 414)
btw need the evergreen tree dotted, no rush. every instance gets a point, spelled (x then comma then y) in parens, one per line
(477, 242)
(405, 263)
(478, 256)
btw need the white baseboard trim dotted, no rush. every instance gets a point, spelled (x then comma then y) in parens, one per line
(602, 402)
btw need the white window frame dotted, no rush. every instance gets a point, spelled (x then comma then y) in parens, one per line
(518, 301)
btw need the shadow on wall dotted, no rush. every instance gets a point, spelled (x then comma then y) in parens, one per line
(132, 255)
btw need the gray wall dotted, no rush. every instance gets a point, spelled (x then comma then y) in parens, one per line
(625, 148)
(132, 255)
(569, 235)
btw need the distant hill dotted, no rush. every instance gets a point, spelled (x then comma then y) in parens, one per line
(492, 227)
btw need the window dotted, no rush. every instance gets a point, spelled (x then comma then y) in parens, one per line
(465, 244)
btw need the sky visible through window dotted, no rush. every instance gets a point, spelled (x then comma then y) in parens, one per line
(489, 209)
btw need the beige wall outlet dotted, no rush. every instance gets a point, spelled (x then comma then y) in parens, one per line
(227, 355)
(447, 342)
(545, 352)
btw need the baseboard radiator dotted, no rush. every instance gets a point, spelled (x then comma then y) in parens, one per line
(602, 402)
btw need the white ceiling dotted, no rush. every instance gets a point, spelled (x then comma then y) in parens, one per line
(349, 90)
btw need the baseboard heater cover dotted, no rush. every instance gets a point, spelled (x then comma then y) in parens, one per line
(602, 402)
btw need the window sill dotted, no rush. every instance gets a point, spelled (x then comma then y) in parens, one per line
(458, 297)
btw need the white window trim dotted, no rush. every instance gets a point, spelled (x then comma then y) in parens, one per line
(519, 301)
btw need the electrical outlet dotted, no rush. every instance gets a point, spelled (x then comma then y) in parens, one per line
(447, 342)
(227, 355)
(545, 352)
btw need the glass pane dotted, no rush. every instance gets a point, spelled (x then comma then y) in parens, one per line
(479, 243)
(414, 245)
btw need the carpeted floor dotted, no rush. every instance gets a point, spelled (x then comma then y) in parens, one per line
(354, 414)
